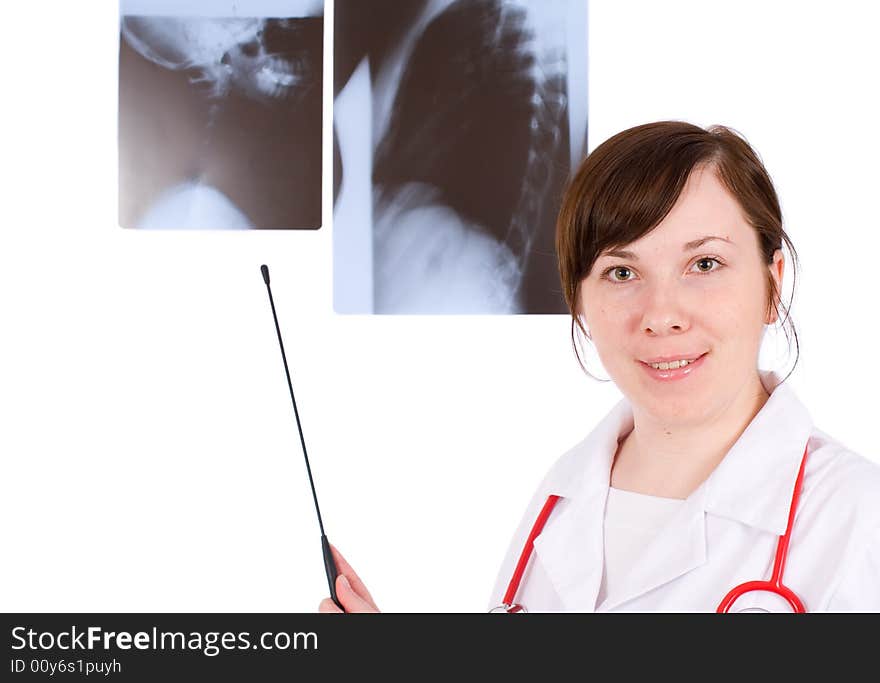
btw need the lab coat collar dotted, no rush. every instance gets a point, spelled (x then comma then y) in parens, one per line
(753, 484)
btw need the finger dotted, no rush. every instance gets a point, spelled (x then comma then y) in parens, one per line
(351, 601)
(328, 606)
(344, 567)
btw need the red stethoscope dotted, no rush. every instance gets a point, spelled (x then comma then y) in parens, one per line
(774, 585)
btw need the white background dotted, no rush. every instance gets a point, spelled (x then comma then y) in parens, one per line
(150, 460)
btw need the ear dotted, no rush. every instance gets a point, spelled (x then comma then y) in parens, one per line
(777, 270)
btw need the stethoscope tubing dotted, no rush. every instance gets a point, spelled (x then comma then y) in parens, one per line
(774, 585)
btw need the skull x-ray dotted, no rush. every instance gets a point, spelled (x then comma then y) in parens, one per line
(456, 125)
(220, 116)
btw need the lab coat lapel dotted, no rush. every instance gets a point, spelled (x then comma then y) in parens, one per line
(755, 481)
(571, 546)
(571, 550)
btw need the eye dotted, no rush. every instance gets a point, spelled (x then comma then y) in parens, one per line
(707, 264)
(618, 274)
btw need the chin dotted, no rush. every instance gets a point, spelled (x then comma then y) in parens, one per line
(679, 415)
(670, 406)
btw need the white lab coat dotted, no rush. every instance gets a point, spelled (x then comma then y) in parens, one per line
(726, 531)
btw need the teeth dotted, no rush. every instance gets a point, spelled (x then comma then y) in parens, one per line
(674, 365)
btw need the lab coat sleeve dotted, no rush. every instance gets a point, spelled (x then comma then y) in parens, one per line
(859, 587)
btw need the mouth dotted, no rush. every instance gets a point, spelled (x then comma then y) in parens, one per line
(671, 368)
(277, 77)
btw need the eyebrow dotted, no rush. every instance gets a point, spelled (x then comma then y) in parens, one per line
(689, 246)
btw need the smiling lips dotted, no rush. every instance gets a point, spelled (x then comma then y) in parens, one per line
(673, 367)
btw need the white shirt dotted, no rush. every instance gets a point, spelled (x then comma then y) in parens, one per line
(723, 534)
(631, 521)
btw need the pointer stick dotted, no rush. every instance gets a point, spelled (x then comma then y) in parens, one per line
(329, 564)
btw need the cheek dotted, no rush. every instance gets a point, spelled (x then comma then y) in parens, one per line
(608, 323)
(734, 315)
(611, 327)
(611, 310)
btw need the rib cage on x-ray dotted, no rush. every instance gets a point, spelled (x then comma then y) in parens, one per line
(507, 104)
(478, 129)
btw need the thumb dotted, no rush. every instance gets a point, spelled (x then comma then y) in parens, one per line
(351, 601)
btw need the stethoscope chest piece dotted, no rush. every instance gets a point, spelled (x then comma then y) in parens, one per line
(504, 608)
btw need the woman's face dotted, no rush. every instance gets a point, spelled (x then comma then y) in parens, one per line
(694, 288)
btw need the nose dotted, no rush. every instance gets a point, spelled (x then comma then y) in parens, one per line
(664, 313)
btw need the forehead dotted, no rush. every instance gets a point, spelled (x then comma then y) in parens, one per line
(704, 207)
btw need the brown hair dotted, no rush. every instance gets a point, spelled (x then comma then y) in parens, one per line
(629, 183)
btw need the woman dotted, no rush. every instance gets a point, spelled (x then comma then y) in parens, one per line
(669, 242)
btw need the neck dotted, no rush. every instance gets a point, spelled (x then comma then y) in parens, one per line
(662, 459)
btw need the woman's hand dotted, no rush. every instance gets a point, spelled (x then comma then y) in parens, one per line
(350, 590)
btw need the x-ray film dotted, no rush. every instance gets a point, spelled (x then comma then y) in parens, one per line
(220, 115)
(456, 125)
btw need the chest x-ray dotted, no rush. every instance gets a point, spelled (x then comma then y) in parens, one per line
(220, 115)
(456, 124)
